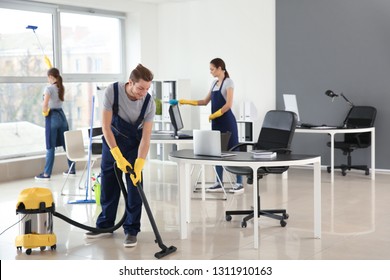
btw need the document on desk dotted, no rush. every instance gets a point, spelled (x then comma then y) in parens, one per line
(263, 154)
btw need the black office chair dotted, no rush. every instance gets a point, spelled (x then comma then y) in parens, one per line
(358, 117)
(276, 134)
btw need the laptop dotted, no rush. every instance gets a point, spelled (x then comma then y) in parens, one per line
(208, 143)
(177, 122)
(290, 104)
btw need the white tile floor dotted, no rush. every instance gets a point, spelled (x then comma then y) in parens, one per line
(355, 221)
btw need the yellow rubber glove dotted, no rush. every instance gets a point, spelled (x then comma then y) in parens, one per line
(188, 102)
(48, 62)
(121, 162)
(217, 114)
(138, 166)
(45, 114)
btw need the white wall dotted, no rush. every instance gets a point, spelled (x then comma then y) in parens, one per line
(242, 33)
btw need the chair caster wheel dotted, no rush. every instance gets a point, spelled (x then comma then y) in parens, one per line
(228, 218)
(286, 216)
(28, 251)
(283, 223)
(328, 169)
(367, 172)
(343, 173)
(243, 224)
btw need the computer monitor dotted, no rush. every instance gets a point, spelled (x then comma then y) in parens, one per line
(290, 104)
(177, 122)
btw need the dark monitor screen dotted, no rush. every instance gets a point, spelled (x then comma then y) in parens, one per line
(174, 114)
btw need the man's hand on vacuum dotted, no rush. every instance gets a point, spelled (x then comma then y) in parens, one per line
(121, 162)
(138, 166)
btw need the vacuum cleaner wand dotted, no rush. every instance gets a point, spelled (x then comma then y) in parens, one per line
(165, 250)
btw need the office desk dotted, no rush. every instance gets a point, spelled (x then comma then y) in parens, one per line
(185, 158)
(332, 132)
(167, 138)
(156, 138)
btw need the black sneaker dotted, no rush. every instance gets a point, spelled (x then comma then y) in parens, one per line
(71, 173)
(215, 188)
(42, 177)
(130, 241)
(95, 235)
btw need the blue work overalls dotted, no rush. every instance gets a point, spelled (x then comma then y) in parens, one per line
(128, 137)
(226, 122)
(55, 127)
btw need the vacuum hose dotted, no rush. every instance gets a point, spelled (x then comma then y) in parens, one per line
(95, 229)
(165, 250)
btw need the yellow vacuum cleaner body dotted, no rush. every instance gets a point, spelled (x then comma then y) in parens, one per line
(36, 207)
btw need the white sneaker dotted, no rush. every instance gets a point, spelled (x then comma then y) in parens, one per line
(237, 189)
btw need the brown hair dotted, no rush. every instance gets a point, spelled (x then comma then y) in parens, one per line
(218, 62)
(55, 73)
(141, 72)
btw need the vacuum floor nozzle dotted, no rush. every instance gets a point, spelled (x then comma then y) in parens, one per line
(165, 252)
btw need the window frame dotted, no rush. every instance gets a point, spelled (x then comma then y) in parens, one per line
(55, 10)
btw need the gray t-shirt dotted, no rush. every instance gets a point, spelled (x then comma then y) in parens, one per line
(128, 110)
(54, 101)
(228, 83)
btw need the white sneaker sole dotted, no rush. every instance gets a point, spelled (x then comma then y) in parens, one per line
(101, 235)
(237, 191)
(214, 190)
(130, 245)
(42, 179)
(70, 175)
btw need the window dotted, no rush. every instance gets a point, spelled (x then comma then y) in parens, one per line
(90, 44)
(23, 49)
(89, 57)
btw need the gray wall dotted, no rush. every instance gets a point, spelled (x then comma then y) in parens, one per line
(342, 45)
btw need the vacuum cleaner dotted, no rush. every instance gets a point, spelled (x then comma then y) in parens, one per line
(36, 223)
(37, 208)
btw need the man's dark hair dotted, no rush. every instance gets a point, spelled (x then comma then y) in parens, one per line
(141, 72)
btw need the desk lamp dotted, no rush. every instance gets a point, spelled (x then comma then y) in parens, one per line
(333, 95)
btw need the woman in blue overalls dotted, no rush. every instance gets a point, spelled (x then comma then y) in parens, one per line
(222, 117)
(127, 125)
(55, 122)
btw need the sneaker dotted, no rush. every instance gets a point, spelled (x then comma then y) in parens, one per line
(237, 189)
(71, 173)
(215, 188)
(130, 241)
(96, 235)
(42, 177)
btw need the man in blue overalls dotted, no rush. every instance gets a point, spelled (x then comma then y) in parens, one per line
(127, 123)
